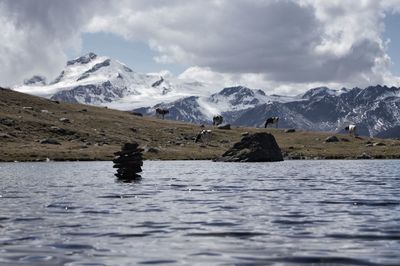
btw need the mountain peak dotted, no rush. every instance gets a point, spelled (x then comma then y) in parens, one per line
(83, 59)
(377, 92)
(232, 90)
(318, 92)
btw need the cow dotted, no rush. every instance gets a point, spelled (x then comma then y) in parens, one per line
(352, 129)
(272, 120)
(204, 136)
(161, 112)
(217, 120)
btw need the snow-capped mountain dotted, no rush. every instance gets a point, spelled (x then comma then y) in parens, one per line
(100, 80)
(375, 110)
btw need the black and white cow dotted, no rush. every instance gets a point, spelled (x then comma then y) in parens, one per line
(204, 136)
(272, 120)
(352, 129)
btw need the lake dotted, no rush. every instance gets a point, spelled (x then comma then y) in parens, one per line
(201, 213)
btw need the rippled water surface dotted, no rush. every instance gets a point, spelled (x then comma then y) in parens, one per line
(201, 213)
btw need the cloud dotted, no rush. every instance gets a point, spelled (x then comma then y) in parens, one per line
(285, 41)
(37, 34)
(269, 43)
(257, 81)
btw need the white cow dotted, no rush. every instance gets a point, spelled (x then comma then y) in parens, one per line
(352, 129)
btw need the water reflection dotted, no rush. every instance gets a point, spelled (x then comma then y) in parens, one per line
(136, 180)
(201, 213)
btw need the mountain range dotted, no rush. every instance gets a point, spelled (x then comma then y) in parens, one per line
(98, 80)
(375, 110)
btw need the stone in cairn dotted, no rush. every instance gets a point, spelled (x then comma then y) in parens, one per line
(128, 161)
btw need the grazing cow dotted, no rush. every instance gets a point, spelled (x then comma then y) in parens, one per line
(217, 120)
(352, 129)
(161, 112)
(272, 120)
(204, 136)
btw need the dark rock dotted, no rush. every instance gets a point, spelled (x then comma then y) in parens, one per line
(49, 141)
(96, 67)
(364, 156)
(129, 170)
(136, 113)
(83, 59)
(64, 120)
(152, 149)
(170, 130)
(344, 140)
(4, 136)
(158, 82)
(129, 161)
(7, 122)
(379, 144)
(130, 156)
(35, 80)
(61, 131)
(226, 126)
(332, 139)
(290, 130)
(258, 147)
(295, 156)
(130, 146)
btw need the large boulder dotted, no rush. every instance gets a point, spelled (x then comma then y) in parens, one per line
(225, 126)
(331, 139)
(258, 147)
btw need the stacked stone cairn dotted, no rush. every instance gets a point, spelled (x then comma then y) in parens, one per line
(129, 161)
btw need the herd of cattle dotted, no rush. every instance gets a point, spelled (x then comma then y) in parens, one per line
(205, 134)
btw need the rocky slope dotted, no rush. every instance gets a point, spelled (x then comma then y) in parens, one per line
(37, 129)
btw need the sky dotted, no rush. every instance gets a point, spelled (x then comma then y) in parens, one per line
(281, 46)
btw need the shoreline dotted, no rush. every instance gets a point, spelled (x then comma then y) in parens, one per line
(211, 160)
(34, 129)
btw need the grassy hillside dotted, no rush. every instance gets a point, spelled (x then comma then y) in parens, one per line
(93, 133)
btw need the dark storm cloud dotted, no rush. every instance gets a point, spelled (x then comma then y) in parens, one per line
(287, 41)
(36, 35)
(284, 41)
